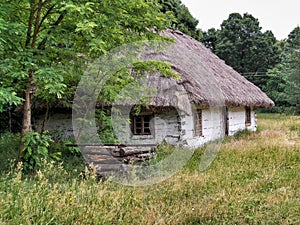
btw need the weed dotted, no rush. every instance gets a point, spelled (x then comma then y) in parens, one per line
(253, 180)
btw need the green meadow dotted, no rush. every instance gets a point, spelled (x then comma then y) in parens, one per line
(254, 179)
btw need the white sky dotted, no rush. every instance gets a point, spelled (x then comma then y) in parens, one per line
(279, 16)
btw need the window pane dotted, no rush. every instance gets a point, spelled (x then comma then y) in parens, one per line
(147, 131)
(141, 125)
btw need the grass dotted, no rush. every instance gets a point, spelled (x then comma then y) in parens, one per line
(254, 179)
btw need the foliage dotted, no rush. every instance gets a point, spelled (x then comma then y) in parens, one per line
(46, 45)
(162, 151)
(283, 83)
(275, 88)
(104, 125)
(292, 89)
(183, 20)
(254, 180)
(35, 150)
(58, 152)
(209, 39)
(243, 46)
(8, 96)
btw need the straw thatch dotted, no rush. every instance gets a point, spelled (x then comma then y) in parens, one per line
(205, 78)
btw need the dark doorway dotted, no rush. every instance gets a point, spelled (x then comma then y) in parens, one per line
(226, 121)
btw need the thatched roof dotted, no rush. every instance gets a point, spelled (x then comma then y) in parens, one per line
(205, 78)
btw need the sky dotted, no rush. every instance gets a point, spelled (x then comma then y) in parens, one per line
(279, 16)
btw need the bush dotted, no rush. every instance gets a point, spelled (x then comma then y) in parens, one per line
(35, 150)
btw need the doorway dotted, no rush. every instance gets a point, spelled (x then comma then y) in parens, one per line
(225, 121)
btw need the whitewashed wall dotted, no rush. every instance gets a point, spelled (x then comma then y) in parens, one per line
(174, 127)
(165, 126)
(212, 128)
(213, 123)
(237, 118)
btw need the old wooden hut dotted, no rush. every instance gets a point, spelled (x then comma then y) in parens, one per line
(209, 101)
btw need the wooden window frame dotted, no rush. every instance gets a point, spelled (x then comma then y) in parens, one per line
(141, 124)
(248, 116)
(198, 124)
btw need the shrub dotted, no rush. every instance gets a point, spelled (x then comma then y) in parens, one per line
(35, 150)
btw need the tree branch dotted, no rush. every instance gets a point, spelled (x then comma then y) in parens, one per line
(37, 23)
(46, 14)
(30, 23)
(57, 22)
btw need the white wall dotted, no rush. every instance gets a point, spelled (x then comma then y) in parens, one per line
(213, 123)
(212, 128)
(237, 118)
(165, 126)
(174, 127)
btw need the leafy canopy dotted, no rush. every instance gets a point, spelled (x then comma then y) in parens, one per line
(283, 85)
(242, 44)
(45, 44)
(183, 20)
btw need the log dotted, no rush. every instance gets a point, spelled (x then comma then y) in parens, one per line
(91, 150)
(129, 151)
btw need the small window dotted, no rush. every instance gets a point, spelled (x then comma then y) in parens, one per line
(248, 116)
(140, 125)
(198, 122)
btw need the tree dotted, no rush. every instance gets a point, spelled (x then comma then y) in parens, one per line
(243, 45)
(184, 21)
(275, 88)
(292, 89)
(210, 38)
(46, 42)
(283, 85)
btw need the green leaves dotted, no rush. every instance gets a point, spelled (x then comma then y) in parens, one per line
(283, 84)
(35, 150)
(243, 45)
(8, 96)
(45, 47)
(180, 17)
(50, 81)
(292, 69)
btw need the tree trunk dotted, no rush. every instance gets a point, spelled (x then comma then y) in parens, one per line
(26, 123)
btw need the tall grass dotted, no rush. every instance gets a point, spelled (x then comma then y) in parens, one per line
(254, 180)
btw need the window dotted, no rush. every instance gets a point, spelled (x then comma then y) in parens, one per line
(248, 116)
(198, 122)
(140, 125)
